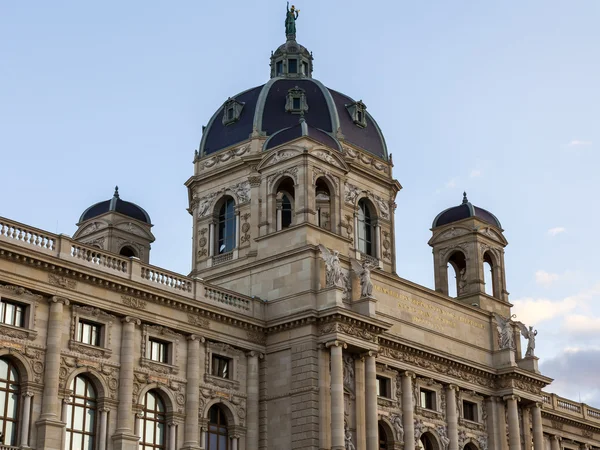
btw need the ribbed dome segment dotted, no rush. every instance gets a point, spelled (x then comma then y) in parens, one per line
(117, 205)
(464, 211)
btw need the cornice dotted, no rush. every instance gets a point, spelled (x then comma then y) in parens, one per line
(553, 416)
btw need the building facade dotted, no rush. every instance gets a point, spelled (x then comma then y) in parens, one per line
(292, 330)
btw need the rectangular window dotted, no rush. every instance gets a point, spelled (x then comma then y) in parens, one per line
(279, 68)
(221, 366)
(427, 399)
(229, 113)
(304, 68)
(293, 66)
(89, 333)
(158, 351)
(296, 103)
(470, 411)
(383, 387)
(12, 313)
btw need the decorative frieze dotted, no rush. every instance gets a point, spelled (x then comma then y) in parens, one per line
(349, 329)
(222, 157)
(245, 228)
(61, 281)
(198, 321)
(134, 303)
(290, 171)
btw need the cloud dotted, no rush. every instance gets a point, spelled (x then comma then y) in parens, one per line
(579, 143)
(556, 230)
(575, 373)
(475, 173)
(534, 311)
(544, 278)
(451, 184)
(580, 324)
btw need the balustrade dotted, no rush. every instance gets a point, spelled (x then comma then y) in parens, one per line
(27, 235)
(228, 298)
(166, 278)
(95, 256)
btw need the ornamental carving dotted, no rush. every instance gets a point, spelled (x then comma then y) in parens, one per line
(318, 172)
(98, 242)
(348, 226)
(198, 321)
(203, 203)
(384, 207)
(348, 372)
(223, 157)
(351, 330)
(387, 245)
(462, 247)
(202, 249)
(257, 337)
(104, 370)
(365, 159)
(15, 332)
(290, 171)
(281, 155)
(61, 281)
(133, 302)
(245, 237)
(326, 156)
(442, 432)
(351, 193)
(242, 191)
(254, 180)
(452, 232)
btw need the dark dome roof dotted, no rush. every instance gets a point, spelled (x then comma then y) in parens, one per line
(464, 211)
(117, 205)
(264, 112)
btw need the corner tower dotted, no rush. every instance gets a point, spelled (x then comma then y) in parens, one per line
(470, 239)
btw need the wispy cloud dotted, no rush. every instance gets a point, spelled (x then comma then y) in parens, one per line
(579, 143)
(545, 278)
(556, 230)
(451, 184)
(475, 173)
(580, 324)
(536, 310)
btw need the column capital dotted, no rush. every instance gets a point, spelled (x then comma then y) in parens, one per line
(104, 410)
(511, 397)
(369, 353)
(556, 437)
(408, 374)
(537, 405)
(196, 337)
(27, 394)
(234, 436)
(453, 387)
(172, 424)
(336, 343)
(131, 319)
(254, 353)
(58, 299)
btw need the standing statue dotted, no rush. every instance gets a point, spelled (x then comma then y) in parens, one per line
(290, 20)
(334, 275)
(364, 275)
(506, 336)
(442, 433)
(462, 281)
(398, 426)
(530, 335)
(348, 440)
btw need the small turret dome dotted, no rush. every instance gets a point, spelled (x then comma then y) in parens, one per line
(463, 211)
(115, 204)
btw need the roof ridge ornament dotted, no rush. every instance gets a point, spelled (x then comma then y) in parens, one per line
(465, 199)
(116, 194)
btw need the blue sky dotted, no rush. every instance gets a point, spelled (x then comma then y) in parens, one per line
(500, 99)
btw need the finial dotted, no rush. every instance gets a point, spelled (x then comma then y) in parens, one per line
(116, 194)
(302, 117)
(290, 22)
(465, 199)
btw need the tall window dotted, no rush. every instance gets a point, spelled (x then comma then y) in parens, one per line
(383, 444)
(365, 228)
(9, 402)
(153, 424)
(158, 351)
(221, 366)
(12, 313)
(286, 212)
(81, 416)
(226, 242)
(217, 436)
(89, 333)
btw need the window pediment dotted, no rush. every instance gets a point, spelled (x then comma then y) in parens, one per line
(296, 101)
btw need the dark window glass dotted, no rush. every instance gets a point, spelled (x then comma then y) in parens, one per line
(305, 68)
(226, 242)
(158, 351)
(296, 103)
(382, 438)
(470, 411)
(427, 443)
(427, 399)
(286, 212)
(217, 436)
(293, 66)
(127, 251)
(230, 113)
(12, 313)
(279, 68)
(81, 416)
(359, 116)
(383, 387)
(153, 424)
(365, 228)
(9, 402)
(89, 333)
(221, 366)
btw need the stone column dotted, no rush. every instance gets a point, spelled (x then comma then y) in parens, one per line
(514, 434)
(324, 399)
(371, 401)
(124, 439)
(555, 442)
(452, 416)
(337, 395)
(192, 393)
(252, 380)
(26, 416)
(501, 426)
(377, 241)
(237, 228)
(102, 428)
(234, 443)
(359, 388)
(172, 436)
(538, 430)
(408, 410)
(211, 239)
(50, 426)
(526, 429)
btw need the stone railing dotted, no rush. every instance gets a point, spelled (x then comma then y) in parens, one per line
(566, 406)
(14, 231)
(220, 259)
(66, 249)
(8, 447)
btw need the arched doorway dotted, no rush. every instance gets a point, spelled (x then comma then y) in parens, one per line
(217, 437)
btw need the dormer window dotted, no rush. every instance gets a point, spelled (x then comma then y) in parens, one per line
(232, 111)
(279, 68)
(293, 66)
(304, 68)
(357, 111)
(296, 101)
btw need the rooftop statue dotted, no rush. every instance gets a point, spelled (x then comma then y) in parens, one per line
(530, 335)
(290, 20)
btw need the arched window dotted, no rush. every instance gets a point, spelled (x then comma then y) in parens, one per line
(81, 416)
(127, 251)
(153, 423)
(9, 402)
(488, 274)
(284, 205)
(217, 437)
(366, 231)
(383, 441)
(226, 230)
(428, 443)
(286, 212)
(323, 202)
(457, 270)
(470, 446)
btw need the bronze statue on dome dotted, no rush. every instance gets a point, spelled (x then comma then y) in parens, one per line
(290, 20)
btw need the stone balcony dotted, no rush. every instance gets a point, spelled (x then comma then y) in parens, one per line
(563, 406)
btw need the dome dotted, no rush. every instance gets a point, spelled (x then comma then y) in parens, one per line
(276, 107)
(463, 211)
(115, 204)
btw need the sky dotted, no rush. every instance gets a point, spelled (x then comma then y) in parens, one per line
(499, 99)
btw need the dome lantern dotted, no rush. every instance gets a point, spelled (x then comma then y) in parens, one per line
(291, 60)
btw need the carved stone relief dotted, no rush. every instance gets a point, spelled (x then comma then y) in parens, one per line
(245, 237)
(64, 282)
(223, 157)
(291, 171)
(202, 242)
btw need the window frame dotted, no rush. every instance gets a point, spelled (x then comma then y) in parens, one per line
(221, 359)
(7, 393)
(237, 107)
(428, 394)
(226, 351)
(366, 226)
(381, 379)
(73, 406)
(155, 420)
(163, 335)
(158, 350)
(473, 407)
(216, 429)
(223, 232)
(29, 302)
(88, 314)
(475, 399)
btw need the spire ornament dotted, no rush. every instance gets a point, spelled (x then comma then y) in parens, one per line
(465, 199)
(116, 194)
(290, 21)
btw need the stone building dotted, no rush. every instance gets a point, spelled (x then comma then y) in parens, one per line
(293, 330)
